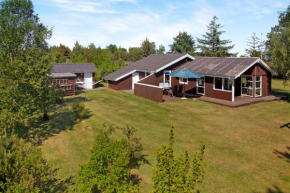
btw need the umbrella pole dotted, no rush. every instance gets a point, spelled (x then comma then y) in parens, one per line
(183, 91)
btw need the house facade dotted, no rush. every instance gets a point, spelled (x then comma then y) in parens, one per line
(224, 77)
(73, 76)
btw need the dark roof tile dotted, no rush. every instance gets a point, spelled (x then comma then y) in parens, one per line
(74, 68)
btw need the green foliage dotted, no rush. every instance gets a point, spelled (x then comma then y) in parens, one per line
(278, 45)
(79, 53)
(212, 45)
(176, 174)
(23, 169)
(135, 54)
(24, 64)
(112, 48)
(183, 43)
(104, 64)
(136, 148)
(108, 168)
(60, 54)
(148, 47)
(79, 110)
(254, 46)
(160, 50)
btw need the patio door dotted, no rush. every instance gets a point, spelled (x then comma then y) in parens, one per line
(200, 86)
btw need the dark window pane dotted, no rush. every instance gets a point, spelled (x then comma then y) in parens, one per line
(218, 83)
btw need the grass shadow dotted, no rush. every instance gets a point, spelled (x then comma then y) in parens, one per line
(63, 185)
(275, 189)
(283, 155)
(61, 118)
(286, 125)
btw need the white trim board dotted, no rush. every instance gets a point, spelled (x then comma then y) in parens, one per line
(123, 76)
(257, 61)
(173, 62)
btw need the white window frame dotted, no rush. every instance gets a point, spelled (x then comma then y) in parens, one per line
(244, 87)
(197, 85)
(222, 84)
(168, 71)
(181, 82)
(260, 85)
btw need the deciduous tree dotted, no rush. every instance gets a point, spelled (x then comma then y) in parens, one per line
(24, 63)
(148, 47)
(278, 45)
(108, 169)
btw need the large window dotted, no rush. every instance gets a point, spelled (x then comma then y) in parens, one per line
(247, 85)
(200, 86)
(222, 84)
(258, 86)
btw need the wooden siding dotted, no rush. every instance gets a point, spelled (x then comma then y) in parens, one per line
(141, 75)
(64, 83)
(259, 70)
(123, 84)
(210, 92)
(148, 92)
(157, 78)
(190, 87)
(238, 87)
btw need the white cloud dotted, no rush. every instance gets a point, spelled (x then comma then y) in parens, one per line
(105, 22)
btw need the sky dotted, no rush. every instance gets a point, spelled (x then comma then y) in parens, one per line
(127, 23)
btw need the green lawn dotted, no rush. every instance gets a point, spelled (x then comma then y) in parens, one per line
(246, 150)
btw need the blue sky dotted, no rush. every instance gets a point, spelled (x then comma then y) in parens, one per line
(127, 22)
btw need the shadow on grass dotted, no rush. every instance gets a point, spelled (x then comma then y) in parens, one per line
(275, 189)
(62, 118)
(63, 185)
(287, 125)
(281, 92)
(283, 155)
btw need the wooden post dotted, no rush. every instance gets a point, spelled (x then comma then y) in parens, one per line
(233, 90)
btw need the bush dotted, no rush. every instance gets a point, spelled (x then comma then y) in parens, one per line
(176, 174)
(23, 169)
(79, 110)
(108, 169)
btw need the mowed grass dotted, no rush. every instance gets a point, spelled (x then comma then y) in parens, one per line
(246, 150)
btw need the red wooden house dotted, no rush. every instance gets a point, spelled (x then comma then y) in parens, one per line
(68, 76)
(224, 77)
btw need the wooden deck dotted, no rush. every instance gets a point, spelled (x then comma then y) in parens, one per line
(239, 101)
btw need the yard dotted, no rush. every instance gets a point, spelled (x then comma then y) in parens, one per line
(246, 148)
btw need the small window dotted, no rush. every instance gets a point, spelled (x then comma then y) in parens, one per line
(223, 84)
(183, 80)
(218, 82)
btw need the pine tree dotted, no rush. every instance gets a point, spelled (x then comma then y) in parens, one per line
(176, 174)
(160, 50)
(255, 46)
(183, 43)
(211, 44)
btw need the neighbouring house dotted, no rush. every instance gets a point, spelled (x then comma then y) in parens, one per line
(71, 76)
(224, 77)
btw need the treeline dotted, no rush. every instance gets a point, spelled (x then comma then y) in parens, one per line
(274, 50)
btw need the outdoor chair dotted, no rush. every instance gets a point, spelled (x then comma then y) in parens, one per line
(170, 92)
